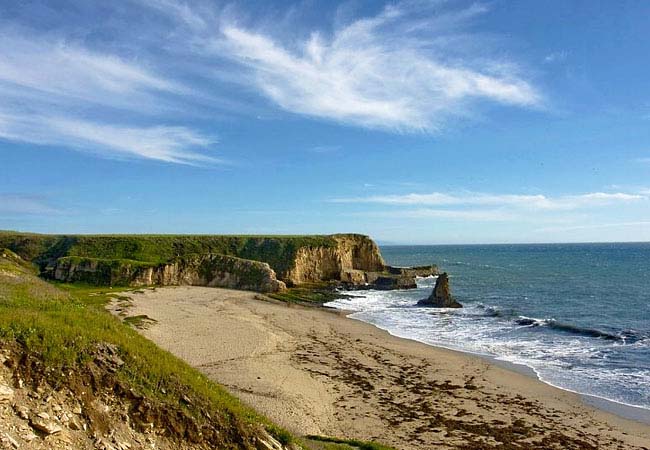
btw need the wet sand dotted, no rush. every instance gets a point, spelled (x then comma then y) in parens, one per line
(314, 371)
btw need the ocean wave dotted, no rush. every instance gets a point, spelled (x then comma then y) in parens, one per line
(624, 336)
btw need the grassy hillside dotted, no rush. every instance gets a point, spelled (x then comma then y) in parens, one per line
(63, 336)
(277, 251)
(63, 329)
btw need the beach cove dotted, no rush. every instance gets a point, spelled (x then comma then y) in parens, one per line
(316, 372)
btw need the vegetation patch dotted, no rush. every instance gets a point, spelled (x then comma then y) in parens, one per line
(61, 330)
(348, 444)
(310, 293)
(277, 251)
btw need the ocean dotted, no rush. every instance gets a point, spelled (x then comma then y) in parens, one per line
(578, 315)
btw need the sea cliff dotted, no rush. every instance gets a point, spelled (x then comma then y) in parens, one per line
(259, 263)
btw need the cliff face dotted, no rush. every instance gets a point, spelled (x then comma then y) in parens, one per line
(200, 270)
(351, 259)
(352, 254)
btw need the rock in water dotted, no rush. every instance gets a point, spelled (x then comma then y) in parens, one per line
(441, 296)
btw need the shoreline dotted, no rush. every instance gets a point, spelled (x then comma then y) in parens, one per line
(313, 371)
(620, 409)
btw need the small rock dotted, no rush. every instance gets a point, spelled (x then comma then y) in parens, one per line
(102, 444)
(77, 410)
(9, 440)
(43, 415)
(22, 411)
(45, 426)
(6, 394)
(28, 436)
(75, 424)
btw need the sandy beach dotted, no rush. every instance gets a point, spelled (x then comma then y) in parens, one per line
(314, 371)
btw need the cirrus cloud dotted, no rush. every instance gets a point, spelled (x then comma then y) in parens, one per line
(401, 69)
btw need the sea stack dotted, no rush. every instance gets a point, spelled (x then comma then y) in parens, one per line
(441, 296)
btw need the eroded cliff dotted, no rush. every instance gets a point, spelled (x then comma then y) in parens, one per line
(347, 260)
(261, 263)
(198, 270)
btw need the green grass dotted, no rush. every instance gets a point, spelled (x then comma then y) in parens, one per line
(316, 293)
(62, 324)
(331, 443)
(277, 251)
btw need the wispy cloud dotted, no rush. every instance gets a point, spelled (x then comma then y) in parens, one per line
(639, 223)
(16, 203)
(485, 215)
(163, 143)
(53, 92)
(521, 201)
(403, 69)
(556, 56)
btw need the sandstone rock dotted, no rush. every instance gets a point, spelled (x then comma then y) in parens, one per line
(45, 426)
(352, 252)
(22, 411)
(6, 394)
(197, 270)
(441, 296)
(75, 424)
(353, 276)
(28, 436)
(7, 439)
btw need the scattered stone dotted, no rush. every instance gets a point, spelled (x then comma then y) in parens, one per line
(43, 415)
(28, 436)
(45, 426)
(7, 439)
(6, 394)
(441, 296)
(75, 424)
(102, 444)
(22, 411)
(107, 356)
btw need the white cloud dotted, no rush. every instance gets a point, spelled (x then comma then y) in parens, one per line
(486, 215)
(163, 143)
(56, 93)
(396, 70)
(37, 67)
(519, 201)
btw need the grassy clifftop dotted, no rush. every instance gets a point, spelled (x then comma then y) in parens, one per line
(277, 251)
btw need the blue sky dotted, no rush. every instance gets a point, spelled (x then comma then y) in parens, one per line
(412, 121)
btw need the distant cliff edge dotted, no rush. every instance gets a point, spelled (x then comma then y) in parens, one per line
(259, 263)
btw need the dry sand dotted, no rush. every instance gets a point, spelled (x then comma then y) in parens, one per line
(313, 371)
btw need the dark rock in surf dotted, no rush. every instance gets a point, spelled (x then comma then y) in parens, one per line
(441, 296)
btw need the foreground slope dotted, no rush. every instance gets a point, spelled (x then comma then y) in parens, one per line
(74, 377)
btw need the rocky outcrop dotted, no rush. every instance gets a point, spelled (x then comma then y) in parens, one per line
(199, 270)
(356, 262)
(441, 296)
(351, 254)
(242, 262)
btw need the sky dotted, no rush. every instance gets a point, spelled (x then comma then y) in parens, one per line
(416, 122)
